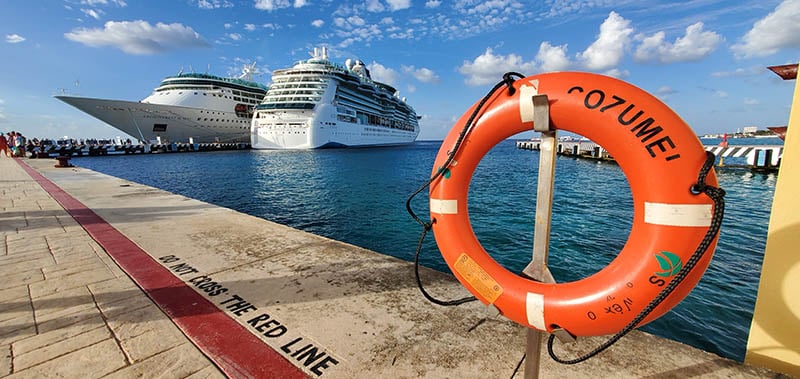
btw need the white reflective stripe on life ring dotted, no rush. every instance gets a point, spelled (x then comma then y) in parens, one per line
(443, 206)
(534, 308)
(526, 107)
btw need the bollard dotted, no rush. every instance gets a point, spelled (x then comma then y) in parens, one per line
(63, 161)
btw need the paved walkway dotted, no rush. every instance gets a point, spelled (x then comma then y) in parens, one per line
(67, 309)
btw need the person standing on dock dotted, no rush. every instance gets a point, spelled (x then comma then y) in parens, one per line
(19, 142)
(12, 142)
(3, 144)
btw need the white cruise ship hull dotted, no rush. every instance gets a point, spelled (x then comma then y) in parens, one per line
(351, 135)
(170, 123)
(318, 130)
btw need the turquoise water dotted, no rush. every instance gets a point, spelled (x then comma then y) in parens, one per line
(358, 196)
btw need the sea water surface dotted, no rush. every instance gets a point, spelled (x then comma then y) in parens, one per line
(358, 196)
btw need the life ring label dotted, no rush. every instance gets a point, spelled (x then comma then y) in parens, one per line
(678, 214)
(480, 281)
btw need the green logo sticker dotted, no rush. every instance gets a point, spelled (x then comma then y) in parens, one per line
(670, 263)
(445, 172)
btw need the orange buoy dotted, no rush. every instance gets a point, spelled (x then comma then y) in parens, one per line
(660, 156)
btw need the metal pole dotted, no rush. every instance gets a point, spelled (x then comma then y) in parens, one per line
(537, 269)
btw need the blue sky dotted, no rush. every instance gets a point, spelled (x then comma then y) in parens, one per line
(705, 58)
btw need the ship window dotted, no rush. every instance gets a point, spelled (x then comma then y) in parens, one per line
(159, 127)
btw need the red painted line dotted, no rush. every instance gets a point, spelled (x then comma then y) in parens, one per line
(236, 351)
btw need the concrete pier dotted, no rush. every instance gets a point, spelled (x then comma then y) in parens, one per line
(106, 277)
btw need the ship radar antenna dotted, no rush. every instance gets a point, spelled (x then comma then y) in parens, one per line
(248, 71)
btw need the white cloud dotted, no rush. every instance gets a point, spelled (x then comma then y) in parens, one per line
(488, 68)
(354, 29)
(93, 13)
(213, 4)
(14, 38)
(346, 42)
(424, 75)
(139, 37)
(694, 45)
(720, 93)
(462, 19)
(751, 101)
(374, 6)
(432, 4)
(120, 3)
(249, 27)
(271, 5)
(752, 71)
(779, 29)
(607, 51)
(397, 5)
(664, 91)
(235, 36)
(317, 23)
(552, 58)
(227, 25)
(356, 21)
(617, 73)
(560, 8)
(383, 74)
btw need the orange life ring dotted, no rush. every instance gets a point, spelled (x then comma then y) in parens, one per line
(660, 156)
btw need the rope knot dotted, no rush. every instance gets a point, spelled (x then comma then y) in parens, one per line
(509, 81)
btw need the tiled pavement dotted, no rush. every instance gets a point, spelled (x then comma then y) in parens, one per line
(66, 309)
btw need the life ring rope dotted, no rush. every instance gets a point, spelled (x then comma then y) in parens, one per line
(718, 196)
(428, 225)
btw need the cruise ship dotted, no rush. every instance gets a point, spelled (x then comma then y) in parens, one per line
(319, 104)
(187, 107)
